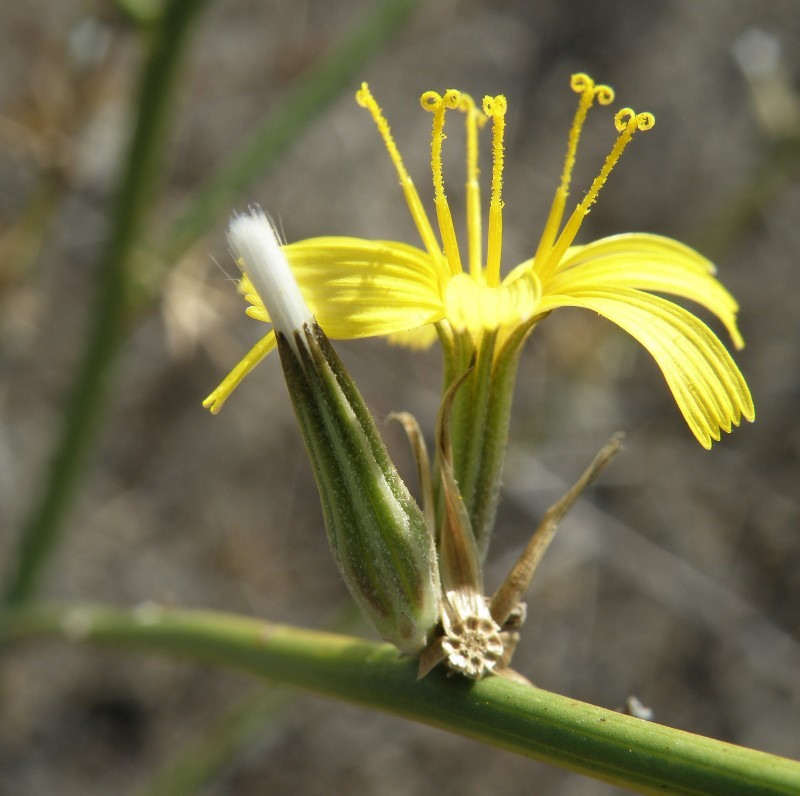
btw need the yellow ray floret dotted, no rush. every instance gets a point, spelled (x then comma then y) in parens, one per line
(358, 288)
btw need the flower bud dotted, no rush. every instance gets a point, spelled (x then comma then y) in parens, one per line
(377, 532)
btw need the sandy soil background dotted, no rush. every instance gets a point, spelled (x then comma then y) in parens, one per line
(677, 579)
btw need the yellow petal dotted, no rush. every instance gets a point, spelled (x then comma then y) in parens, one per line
(475, 307)
(647, 262)
(359, 288)
(256, 310)
(355, 288)
(707, 385)
(216, 399)
(416, 339)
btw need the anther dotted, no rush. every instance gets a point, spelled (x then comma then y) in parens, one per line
(452, 99)
(628, 119)
(431, 101)
(363, 96)
(623, 118)
(495, 106)
(604, 94)
(467, 105)
(580, 82)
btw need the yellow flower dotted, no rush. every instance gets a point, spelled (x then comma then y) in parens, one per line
(359, 288)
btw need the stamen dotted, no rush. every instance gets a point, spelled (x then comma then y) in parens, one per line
(438, 105)
(627, 123)
(475, 120)
(584, 85)
(366, 100)
(495, 108)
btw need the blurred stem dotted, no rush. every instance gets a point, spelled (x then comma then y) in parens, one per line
(87, 399)
(778, 166)
(216, 748)
(625, 751)
(201, 761)
(279, 129)
(141, 12)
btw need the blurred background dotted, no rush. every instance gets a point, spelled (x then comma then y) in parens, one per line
(676, 579)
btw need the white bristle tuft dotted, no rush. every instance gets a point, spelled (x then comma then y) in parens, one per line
(253, 240)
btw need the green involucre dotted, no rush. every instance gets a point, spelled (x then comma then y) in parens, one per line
(377, 532)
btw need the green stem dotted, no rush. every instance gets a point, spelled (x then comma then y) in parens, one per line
(777, 167)
(628, 752)
(278, 130)
(87, 400)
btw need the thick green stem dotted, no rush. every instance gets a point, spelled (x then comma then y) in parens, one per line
(629, 752)
(86, 403)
